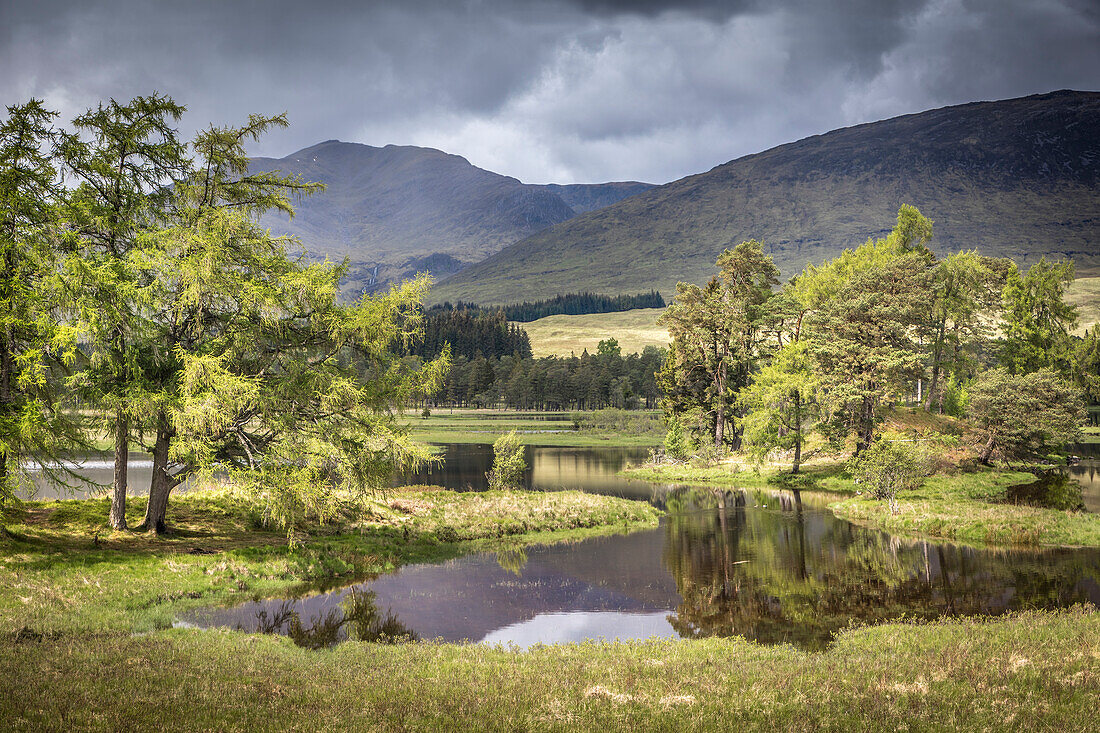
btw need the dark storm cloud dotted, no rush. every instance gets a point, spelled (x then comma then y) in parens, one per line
(560, 90)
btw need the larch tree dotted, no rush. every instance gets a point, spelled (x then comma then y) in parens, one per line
(34, 348)
(208, 275)
(1037, 319)
(123, 158)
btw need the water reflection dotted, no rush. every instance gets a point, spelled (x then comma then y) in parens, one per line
(787, 573)
(775, 567)
(1087, 473)
(1053, 490)
(464, 466)
(355, 617)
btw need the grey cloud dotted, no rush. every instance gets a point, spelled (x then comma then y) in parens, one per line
(563, 90)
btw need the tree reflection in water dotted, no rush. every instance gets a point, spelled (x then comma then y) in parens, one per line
(357, 618)
(788, 574)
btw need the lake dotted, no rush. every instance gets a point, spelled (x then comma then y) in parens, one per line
(771, 566)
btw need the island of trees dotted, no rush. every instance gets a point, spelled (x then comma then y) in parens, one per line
(754, 367)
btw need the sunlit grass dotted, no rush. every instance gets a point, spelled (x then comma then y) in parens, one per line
(565, 335)
(1030, 671)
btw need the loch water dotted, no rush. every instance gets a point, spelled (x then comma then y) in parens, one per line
(772, 566)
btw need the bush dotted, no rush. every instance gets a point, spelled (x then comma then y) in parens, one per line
(677, 443)
(887, 467)
(508, 463)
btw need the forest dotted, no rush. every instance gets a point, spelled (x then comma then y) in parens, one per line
(573, 304)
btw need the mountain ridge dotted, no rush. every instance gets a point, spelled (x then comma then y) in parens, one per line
(1017, 178)
(396, 209)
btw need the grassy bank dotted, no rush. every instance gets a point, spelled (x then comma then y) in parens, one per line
(63, 570)
(1033, 671)
(580, 430)
(961, 507)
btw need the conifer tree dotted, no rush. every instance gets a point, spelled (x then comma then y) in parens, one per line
(715, 331)
(34, 347)
(210, 275)
(123, 170)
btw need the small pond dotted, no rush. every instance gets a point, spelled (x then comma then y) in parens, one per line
(771, 566)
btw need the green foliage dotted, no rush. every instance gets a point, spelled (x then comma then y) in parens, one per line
(888, 467)
(509, 465)
(1020, 416)
(678, 444)
(956, 397)
(585, 382)
(35, 350)
(716, 332)
(867, 306)
(966, 290)
(780, 403)
(1038, 320)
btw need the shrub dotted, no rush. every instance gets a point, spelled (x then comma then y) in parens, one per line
(887, 467)
(508, 463)
(677, 443)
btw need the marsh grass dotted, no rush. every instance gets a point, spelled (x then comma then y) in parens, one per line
(1028, 671)
(965, 507)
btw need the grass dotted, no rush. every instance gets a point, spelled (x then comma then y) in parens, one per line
(1084, 293)
(533, 428)
(85, 639)
(1030, 671)
(564, 335)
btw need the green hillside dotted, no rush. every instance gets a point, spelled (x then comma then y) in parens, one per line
(1017, 178)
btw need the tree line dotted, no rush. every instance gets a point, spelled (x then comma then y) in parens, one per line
(137, 286)
(469, 333)
(573, 304)
(586, 382)
(753, 366)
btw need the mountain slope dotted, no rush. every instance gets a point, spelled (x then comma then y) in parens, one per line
(396, 210)
(1017, 178)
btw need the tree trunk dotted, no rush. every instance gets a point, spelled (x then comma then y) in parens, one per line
(987, 452)
(866, 426)
(797, 431)
(937, 356)
(122, 447)
(162, 483)
(720, 421)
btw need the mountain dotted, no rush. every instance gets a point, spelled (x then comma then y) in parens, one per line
(396, 210)
(1018, 178)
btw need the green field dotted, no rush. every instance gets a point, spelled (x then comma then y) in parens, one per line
(592, 428)
(564, 335)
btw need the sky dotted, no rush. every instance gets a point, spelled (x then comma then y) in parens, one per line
(560, 91)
